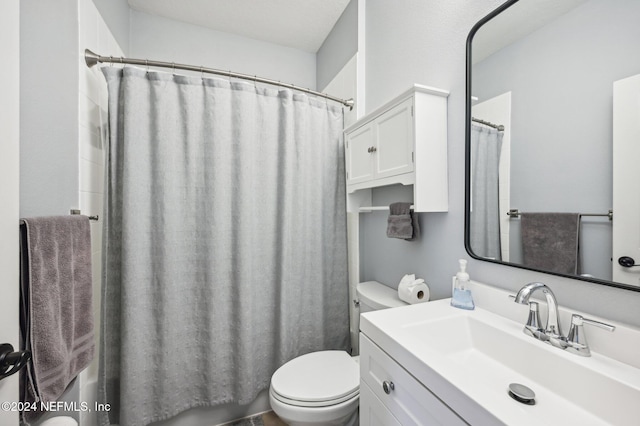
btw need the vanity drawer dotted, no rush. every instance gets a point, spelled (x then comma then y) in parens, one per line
(408, 400)
(372, 411)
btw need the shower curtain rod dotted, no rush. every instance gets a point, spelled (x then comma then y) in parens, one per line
(499, 127)
(92, 59)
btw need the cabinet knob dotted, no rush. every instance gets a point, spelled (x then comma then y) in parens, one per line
(388, 386)
(627, 262)
(374, 149)
(369, 150)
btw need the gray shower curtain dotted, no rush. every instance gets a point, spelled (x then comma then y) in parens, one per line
(225, 241)
(484, 234)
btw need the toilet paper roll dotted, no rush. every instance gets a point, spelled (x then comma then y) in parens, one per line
(60, 421)
(404, 287)
(416, 293)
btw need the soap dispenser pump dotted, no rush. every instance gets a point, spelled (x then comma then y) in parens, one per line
(461, 294)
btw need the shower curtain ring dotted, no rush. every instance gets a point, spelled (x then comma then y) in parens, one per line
(146, 62)
(173, 68)
(202, 72)
(111, 61)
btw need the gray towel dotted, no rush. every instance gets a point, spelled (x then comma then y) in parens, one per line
(402, 222)
(550, 241)
(57, 311)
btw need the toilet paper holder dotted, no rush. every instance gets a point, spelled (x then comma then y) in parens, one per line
(12, 361)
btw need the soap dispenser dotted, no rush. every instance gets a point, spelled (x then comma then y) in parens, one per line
(461, 295)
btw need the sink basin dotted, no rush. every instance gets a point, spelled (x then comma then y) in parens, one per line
(469, 358)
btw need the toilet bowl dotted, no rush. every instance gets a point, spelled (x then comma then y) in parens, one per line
(60, 421)
(319, 388)
(323, 388)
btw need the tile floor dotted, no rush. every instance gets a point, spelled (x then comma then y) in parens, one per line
(265, 419)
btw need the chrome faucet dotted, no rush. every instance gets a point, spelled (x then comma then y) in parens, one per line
(575, 342)
(552, 327)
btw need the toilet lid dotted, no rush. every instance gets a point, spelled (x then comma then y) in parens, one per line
(324, 376)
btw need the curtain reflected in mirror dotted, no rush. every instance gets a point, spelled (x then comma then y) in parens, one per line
(486, 145)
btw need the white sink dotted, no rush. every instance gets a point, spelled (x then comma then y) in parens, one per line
(469, 358)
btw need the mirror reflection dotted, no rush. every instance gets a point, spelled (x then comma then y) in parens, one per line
(555, 101)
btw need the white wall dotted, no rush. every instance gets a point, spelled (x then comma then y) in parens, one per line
(424, 42)
(94, 34)
(49, 167)
(339, 47)
(48, 107)
(115, 14)
(155, 37)
(63, 107)
(9, 160)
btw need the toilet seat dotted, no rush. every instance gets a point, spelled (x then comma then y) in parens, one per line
(317, 379)
(312, 404)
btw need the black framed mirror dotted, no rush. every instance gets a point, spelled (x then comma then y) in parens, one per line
(552, 138)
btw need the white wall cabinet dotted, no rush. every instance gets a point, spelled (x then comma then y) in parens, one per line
(359, 156)
(382, 147)
(403, 142)
(405, 400)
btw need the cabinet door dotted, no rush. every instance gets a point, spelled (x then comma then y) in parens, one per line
(359, 155)
(372, 411)
(394, 150)
(409, 400)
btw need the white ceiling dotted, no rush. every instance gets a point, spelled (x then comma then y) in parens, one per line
(301, 24)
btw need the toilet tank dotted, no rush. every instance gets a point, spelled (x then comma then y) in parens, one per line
(373, 296)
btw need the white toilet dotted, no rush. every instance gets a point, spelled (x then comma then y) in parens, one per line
(323, 388)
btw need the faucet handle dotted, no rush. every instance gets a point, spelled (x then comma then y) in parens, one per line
(577, 339)
(533, 321)
(604, 325)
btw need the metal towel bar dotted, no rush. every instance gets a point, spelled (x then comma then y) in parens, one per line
(514, 213)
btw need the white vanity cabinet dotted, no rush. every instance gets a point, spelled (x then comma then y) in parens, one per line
(389, 395)
(403, 142)
(372, 411)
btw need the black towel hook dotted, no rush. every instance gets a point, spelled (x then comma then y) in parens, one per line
(11, 362)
